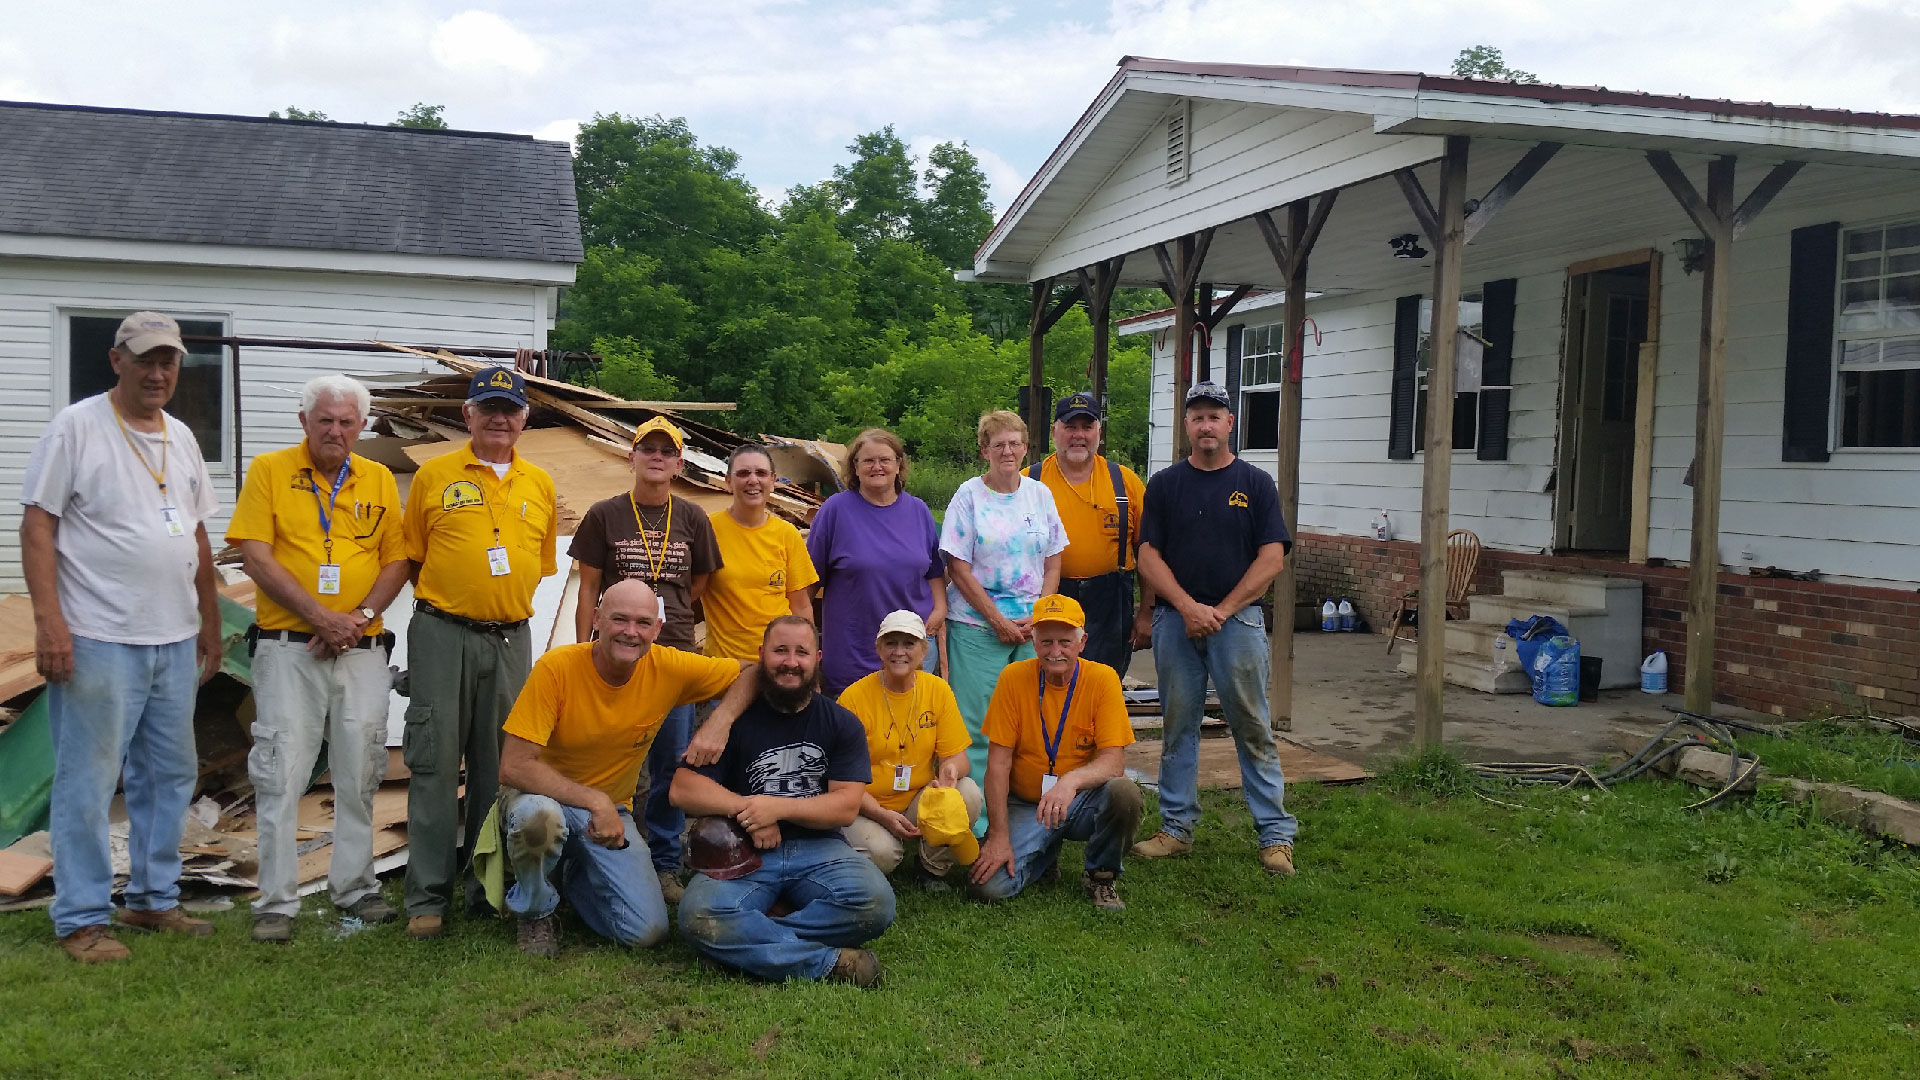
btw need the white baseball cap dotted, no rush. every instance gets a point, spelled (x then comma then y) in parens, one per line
(902, 622)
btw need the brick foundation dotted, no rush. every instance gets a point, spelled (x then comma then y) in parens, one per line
(1791, 648)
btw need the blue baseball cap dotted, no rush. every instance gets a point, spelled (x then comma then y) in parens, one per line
(1080, 403)
(498, 382)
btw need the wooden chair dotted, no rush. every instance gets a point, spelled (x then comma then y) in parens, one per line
(1463, 558)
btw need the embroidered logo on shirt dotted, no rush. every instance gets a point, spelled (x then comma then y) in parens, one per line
(777, 580)
(1238, 498)
(460, 493)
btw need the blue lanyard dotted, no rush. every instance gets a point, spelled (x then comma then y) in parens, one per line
(326, 518)
(1053, 741)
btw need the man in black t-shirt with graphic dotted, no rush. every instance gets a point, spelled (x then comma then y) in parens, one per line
(1212, 539)
(792, 775)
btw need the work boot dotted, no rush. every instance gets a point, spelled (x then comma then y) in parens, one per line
(426, 926)
(273, 929)
(1099, 887)
(1161, 845)
(857, 966)
(94, 945)
(170, 921)
(540, 937)
(371, 909)
(670, 888)
(1277, 859)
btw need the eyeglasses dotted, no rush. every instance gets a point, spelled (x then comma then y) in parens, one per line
(656, 451)
(871, 462)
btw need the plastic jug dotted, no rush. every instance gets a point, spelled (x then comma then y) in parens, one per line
(1653, 673)
(1382, 528)
(1345, 611)
(1329, 616)
(1503, 660)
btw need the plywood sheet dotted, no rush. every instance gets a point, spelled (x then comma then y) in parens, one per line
(19, 872)
(1220, 765)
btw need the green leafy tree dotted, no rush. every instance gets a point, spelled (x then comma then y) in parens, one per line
(1485, 62)
(627, 369)
(646, 185)
(422, 115)
(954, 217)
(877, 191)
(621, 295)
(295, 112)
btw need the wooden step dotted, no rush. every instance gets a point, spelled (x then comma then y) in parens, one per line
(1472, 672)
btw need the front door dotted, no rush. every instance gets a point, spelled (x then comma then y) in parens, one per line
(1609, 322)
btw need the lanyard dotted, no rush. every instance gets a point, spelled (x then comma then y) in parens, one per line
(656, 565)
(326, 517)
(166, 442)
(1053, 741)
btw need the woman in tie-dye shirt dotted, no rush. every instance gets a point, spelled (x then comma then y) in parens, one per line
(1002, 540)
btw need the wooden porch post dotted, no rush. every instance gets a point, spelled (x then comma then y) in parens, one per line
(1437, 475)
(1097, 283)
(1037, 426)
(1179, 275)
(1709, 432)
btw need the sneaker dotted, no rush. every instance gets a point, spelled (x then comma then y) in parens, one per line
(170, 921)
(670, 887)
(1161, 845)
(426, 926)
(371, 909)
(1099, 887)
(930, 883)
(94, 945)
(273, 929)
(857, 966)
(540, 937)
(1277, 859)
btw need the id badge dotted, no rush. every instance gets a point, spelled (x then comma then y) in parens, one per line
(329, 579)
(902, 777)
(1047, 782)
(497, 563)
(170, 517)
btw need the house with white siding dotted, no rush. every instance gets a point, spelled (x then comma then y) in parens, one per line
(1574, 447)
(259, 228)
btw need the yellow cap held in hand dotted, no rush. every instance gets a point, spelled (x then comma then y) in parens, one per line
(944, 823)
(1061, 609)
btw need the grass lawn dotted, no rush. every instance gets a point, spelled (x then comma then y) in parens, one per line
(1844, 753)
(1616, 936)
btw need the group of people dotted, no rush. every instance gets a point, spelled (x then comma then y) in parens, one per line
(961, 693)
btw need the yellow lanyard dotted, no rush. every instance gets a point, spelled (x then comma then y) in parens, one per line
(913, 710)
(166, 442)
(656, 565)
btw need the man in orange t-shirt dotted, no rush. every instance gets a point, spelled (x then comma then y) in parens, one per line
(1057, 730)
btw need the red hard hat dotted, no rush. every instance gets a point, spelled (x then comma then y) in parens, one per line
(719, 848)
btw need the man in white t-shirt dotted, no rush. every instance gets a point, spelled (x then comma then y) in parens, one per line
(126, 626)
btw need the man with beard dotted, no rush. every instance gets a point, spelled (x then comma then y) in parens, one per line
(792, 775)
(575, 742)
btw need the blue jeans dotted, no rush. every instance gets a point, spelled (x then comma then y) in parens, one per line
(615, 893)
(1235, 658)
(839, 900)
(1106, 817)
(126, 706)
(667, 823)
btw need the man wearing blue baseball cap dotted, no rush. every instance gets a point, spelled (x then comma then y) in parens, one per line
(479, 528)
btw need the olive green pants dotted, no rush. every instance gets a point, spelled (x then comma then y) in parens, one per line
(463, 683)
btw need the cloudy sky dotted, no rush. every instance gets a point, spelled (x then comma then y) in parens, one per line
(788, 83)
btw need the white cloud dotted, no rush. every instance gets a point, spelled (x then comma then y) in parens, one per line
(565, 131)
(481, 40)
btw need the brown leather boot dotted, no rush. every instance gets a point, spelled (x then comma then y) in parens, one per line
(170, 921)
(94, 945)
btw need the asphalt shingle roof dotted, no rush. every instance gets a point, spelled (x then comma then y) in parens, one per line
(255, 182)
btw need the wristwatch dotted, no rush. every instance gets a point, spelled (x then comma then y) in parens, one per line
(367, 613)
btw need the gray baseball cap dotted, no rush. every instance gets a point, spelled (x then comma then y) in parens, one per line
(1209, 391)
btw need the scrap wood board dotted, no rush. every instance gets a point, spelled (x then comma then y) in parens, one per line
(1220, 765)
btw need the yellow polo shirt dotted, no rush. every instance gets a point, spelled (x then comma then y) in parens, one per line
(912, 729)
(1016, 718)
(758, 568)
(1091, 516)
(280, 505)
(457, 509)
(597, 734)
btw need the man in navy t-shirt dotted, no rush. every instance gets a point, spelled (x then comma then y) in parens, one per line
(792, 775)
(1212, 539)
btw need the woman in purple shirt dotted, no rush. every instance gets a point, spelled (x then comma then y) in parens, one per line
(877, 550)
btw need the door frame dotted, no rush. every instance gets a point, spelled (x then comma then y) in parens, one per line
(1642, 495)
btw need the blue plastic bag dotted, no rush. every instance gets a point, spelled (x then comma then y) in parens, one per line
(1528, 634)
(1556, 671)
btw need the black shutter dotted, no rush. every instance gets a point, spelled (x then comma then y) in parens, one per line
(1496, 367)
(1810, 282)
(1406, 344)
(1234, 348)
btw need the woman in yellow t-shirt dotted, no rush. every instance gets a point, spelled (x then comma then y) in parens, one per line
(916, 739)
(765, 571)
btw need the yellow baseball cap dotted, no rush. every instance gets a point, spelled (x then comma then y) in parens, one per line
(944, 823)
(660, 424)
(1057, 608)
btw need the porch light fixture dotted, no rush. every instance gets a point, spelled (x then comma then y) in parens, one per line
(1693, 253)
(1407, 246)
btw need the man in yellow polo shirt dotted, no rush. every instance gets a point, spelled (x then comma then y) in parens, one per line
(479, 528)
(575, 742)
(1057, 730)
(319, 528)
(1099, 503)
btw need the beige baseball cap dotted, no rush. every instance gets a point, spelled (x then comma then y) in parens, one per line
(146, 330)
(902, 622)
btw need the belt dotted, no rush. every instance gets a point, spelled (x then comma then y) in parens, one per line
(301, 637)
(471, 624)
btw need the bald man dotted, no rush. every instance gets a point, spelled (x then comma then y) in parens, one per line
(575, 742)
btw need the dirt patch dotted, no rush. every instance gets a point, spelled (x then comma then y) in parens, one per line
(1577, 945)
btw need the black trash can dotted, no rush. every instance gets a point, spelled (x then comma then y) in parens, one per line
(1589, 678)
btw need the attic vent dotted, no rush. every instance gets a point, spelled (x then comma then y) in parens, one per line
(1179, 123)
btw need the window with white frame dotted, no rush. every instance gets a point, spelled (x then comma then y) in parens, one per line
(201, 399)
(1263, 366)
(1466, 404)
(1878, 332)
